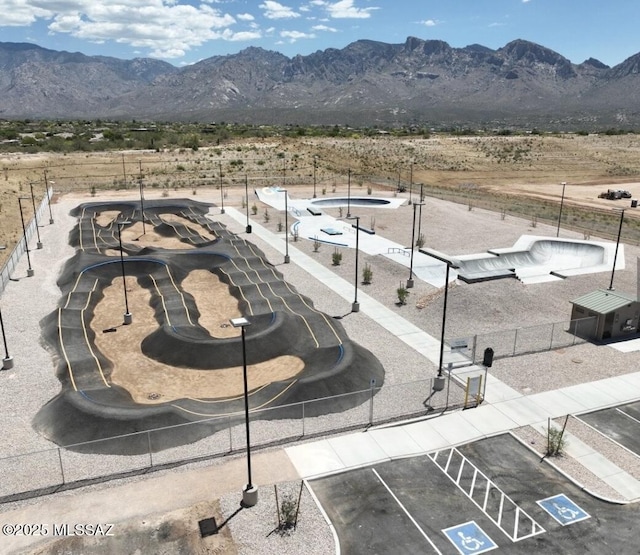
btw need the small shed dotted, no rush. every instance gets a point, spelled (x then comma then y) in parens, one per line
(616, 313)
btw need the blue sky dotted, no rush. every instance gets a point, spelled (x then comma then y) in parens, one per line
(185, 31)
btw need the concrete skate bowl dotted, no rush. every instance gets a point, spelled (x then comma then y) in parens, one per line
(354, 201)
(542, 257)
(179, 362)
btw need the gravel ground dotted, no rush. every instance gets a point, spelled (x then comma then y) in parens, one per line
(473, 309)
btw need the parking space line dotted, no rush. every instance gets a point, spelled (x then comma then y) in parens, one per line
(413, 520)
(506, 504)
(628, 415)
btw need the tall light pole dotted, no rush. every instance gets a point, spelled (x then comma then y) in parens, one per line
(439, 381)
(30, 270)
(221, 188)
(315, 166)
(7, 361)
(246, 194)
(410, 181)
(35, 216)
(349, 193)
(420, 211)
(615, 256)
(128, 317)
(46, 191)
(286, 227)
(355, 306)
(250, 492)
(564, 184)
(410, 282)
(144, 230)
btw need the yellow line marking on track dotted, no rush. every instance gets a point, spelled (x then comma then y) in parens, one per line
(64, 351)
(231, 282)
(186, 309)
(164, 306)
(86, 338)
(237, 413)
(213, 401)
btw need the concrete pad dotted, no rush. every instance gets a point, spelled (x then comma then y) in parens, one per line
(314, 459)
(425, 436)
(456, 428)
(497, 391)
(489, 420)
(590, 394)
(396, 442)
(522, 410)
(600, 466)
(557, 403)
(625, 484)
(357, 450)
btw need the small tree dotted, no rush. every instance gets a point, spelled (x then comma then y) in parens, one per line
(367, 274)
(555, 439)
(316, 244)
(267, 216)
(280, 226)
(336, 257)
(254, 209)
(402, 293)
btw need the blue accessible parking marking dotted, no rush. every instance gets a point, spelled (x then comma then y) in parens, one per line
(562, 509)
(469, 538)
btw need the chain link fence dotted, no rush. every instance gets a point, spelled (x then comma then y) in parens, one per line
(527, 340)
(31, 474)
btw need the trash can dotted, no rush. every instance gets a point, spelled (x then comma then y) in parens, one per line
(634, 203)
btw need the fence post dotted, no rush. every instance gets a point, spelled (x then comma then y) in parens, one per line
(515, 341)
(230, 435)
(473, 350)
(373, 385)
(303, 428)
(553, 326)
(61, 466)
(150, 451)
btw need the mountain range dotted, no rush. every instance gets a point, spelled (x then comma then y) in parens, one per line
(418, 82)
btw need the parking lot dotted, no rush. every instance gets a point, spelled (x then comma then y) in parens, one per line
(621, 424)
(487, 495)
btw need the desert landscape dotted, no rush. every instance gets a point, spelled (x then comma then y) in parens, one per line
(520, 174)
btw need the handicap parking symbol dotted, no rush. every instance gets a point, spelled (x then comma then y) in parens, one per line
(469, 538)
(562, 509)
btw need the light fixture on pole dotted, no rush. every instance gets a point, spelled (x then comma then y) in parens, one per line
(221, 188)
(46, 191)
(250, 492)
(349, 193)
(35, 217)
(286, 227)
(410, 282)
(564, 184)
(128, 317)
(7, 361)
(246, 194)
(144, 230)
(439, 381)
(615, 256)
(30, 270)
(410, 181)
(355, 306)
(315, 165)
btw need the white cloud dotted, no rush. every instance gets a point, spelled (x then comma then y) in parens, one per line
(164, 28)
(275, 10)
(344, 9)
(324, 28)
(430, 22)
(293, 36)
